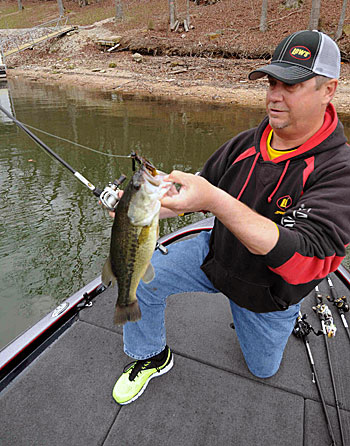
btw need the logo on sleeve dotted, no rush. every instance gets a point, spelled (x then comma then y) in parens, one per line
(300, 52)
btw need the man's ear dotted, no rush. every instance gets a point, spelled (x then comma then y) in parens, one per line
(329, 89)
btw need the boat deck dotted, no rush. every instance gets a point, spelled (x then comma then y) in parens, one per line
(208, 398)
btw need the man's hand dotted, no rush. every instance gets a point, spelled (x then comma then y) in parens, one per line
(257, 233)
(195, 194)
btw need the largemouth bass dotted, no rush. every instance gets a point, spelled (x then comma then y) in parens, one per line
(133, 240)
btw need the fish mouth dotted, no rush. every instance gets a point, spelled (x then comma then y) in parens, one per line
(153, 176)
(148, 171)
(146, 165)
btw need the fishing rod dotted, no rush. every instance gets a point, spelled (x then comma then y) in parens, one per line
(301, 330)
(108, 196)
(340, 303)
(329, 330)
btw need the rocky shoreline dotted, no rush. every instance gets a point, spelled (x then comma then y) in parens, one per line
(127, 81)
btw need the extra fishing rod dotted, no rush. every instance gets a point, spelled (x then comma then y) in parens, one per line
(329, 330)
(301, 330)
(108, 196)
(340, 303)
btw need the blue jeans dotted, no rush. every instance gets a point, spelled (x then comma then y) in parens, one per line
(262, 336)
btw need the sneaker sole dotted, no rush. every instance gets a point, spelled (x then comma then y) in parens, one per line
(155, 375)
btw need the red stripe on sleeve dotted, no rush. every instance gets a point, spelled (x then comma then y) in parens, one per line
(309, 169)
(300, 269)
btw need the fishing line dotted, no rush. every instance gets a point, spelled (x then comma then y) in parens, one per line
(109, 196)
(76, 143)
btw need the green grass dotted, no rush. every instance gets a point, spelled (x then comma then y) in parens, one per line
(88, 15)
(31, 15)
(38, 12)
(136, 12)
(35, 12)
(7, 8)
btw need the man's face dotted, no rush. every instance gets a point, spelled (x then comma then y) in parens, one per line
(294, 110)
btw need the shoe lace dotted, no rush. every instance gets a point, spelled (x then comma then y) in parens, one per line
(137, 367)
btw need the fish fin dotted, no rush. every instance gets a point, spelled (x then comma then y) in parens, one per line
(127, 313)
(107, 274)
(149, 274)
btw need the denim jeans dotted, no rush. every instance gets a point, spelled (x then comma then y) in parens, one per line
(262, 336)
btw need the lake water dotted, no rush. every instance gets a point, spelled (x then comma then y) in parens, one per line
(54, 235)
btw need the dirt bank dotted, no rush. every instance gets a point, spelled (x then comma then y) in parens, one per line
(208, 80)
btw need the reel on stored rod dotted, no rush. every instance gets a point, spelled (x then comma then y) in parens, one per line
(303, 328)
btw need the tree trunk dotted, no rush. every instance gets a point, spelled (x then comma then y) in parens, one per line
(172, 13)
(341, 21)
(118, 10)
(188, 12)
(263, 18)
(60, 7)
(20, 6)
(315, 14)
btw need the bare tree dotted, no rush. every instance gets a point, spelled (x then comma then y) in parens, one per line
(20, 6)
(341, 21)
(188, 12)
(263, 17)
(60, 7)
(118, 10)
(315, 14)
(172, 13)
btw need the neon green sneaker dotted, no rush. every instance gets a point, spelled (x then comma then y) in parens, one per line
(136, 375)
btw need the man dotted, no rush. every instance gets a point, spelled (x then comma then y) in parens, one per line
(281, 197)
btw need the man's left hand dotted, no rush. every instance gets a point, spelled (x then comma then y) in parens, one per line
(195, 193)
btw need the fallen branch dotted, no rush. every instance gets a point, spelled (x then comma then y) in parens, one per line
(113, 48)
(183, 70)
(276, 20)
(284, 17)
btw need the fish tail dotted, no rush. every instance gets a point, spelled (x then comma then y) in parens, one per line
(127, 313)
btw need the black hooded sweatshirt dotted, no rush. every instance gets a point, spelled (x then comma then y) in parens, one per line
(305, 192)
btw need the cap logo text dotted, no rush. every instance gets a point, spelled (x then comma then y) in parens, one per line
(300, 52)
